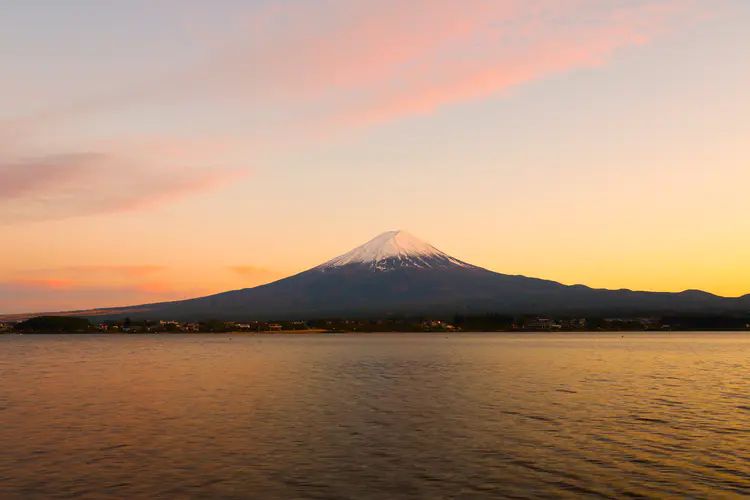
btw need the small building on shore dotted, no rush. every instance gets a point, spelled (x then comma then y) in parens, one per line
(542, 324)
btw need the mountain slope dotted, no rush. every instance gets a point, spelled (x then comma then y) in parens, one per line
(396, 273)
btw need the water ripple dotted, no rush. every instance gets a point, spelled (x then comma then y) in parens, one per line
(375, 416)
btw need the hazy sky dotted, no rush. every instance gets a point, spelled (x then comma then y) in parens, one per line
(156, 150)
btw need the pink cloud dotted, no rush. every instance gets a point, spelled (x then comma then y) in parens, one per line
(21, 178)
(354, 63)
(62, 186)
(351, 44)
(179, 150)
(309, 68)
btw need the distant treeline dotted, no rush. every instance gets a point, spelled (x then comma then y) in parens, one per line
(55, 324)
(459, 322)
(715, 322)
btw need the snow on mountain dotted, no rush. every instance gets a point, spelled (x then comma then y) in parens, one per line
(395, 249)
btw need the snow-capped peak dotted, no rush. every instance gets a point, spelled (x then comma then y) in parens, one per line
(395, 249)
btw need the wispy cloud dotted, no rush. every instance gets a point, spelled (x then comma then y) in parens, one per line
(356, 62)
(31, 177)
(305, 69)
(62, 186)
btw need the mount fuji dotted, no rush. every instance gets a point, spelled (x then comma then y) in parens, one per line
(395, 250)
(396, 273)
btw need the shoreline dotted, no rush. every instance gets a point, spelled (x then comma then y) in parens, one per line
(433, 333)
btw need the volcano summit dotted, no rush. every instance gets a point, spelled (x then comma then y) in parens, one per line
(396, 273)
(395, 250)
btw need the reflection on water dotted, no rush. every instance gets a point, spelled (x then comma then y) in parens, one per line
(375, 416)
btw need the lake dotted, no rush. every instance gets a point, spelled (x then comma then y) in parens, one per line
(375, 416)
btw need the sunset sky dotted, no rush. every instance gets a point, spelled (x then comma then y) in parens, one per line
(154, 150)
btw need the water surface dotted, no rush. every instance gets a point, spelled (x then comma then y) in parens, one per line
(375, 416)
